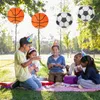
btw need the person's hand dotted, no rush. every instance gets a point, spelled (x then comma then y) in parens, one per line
(79, 68)
(31, 69)
(36, 69)
(53, 64)
(67, 67)
(35, 66)
(36, 58)
(59, 65)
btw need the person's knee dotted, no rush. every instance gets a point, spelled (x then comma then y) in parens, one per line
(31, 84)
(51, 78)
(34, 87)
(39, 84)
(59, 78)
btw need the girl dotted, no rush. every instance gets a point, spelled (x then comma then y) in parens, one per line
(34, 67)
(89, 78)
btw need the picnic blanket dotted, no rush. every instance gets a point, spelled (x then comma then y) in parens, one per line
(57, 87)
(66, 88)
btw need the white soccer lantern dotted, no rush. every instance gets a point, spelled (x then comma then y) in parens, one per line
(86, 13)
(64, 20)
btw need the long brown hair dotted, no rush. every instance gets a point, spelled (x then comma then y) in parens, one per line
(90, 61)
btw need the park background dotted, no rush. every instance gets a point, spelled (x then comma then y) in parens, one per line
(79, 36)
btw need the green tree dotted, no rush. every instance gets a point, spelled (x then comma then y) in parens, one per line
(6, 43)
(75, 45)
(30, 6)
(67, 42)
(89, 32)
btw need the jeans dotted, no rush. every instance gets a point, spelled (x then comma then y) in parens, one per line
(31, 83)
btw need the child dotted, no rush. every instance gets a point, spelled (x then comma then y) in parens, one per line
(34, 67)
(21, 66)
(89, 78)
(75, 67)
(56, 63)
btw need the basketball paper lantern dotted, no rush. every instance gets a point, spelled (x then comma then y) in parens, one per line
(86, 13)
(64, 20)
(15, 15)
(39, 20)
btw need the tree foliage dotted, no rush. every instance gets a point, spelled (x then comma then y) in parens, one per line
(75, 45)
(90, 32)
(6, 43)
(30, 6)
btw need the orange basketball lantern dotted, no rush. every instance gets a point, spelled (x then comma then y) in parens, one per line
(15, 15)
(39, 20)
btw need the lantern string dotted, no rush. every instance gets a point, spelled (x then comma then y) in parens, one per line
(15, 28)
(61, 6)
(64, 3)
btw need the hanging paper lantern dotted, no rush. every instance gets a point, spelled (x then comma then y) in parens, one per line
(86, 13)
(64, 20)
(39, 20)
(15, 15)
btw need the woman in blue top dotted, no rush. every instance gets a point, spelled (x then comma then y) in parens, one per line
(56, 63)
(90, 77)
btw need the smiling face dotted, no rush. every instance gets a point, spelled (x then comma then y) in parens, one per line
(33, 54)
(55, 51)
(77, 59)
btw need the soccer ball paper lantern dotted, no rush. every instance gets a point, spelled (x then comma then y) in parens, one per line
(86, 13)
(64, 20)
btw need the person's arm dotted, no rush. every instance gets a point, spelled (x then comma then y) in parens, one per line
(71, 69)
(90, 74)
(67, 68)
(59, 65)
(50, 64)
(25, 64)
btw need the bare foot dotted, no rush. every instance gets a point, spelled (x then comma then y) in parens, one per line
(80, 87)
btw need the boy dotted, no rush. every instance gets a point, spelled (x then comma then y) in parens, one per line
(75, 67)
(56, 63)
(21, 67)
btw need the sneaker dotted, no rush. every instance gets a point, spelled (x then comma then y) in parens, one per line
(16, 84)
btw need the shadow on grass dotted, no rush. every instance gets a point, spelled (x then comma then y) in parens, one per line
(20, 94)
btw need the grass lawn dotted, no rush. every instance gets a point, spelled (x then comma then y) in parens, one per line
(7, 74)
